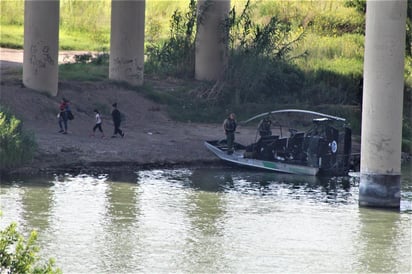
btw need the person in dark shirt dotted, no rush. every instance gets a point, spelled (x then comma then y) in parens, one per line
(63, 115)
(264, 127)
(229, 126)
(116, 116)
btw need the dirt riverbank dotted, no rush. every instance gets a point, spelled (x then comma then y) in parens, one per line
(151, 137)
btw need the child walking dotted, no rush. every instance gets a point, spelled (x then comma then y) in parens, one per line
(98, 124)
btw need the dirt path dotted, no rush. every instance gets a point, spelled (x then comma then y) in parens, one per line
(151, 137)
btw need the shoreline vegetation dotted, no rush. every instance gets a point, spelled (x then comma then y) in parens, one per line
(17, 145)
(283, 54)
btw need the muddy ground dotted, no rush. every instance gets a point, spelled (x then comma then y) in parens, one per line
(151, 139)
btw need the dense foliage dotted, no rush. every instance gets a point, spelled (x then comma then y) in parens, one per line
(175, 56)
(16, 146)
(18, 255)
(267, 65)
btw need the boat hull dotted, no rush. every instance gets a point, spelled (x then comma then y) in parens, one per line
(238, 158)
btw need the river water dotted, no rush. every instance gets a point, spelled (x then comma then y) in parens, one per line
(209, 220)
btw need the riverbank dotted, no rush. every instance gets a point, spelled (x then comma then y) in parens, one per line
(151, 137)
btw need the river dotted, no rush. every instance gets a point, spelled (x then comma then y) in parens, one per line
(209, 220)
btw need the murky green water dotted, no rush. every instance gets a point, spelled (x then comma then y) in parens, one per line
(210, 221)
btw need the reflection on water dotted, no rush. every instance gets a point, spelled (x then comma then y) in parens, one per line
(378, 241)
(316, 189)
(406, 188)
(202, 220)
(206, 210)
(122, 210)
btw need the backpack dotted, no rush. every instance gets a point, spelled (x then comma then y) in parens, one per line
(70, 115)
(122, 117)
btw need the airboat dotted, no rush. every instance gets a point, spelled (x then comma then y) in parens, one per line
(322, 145)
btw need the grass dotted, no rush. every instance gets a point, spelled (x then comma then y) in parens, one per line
(341, 66)
(80, 40)
(12, 12)
(11, 36)
(326, 47)
(408, 72)
(85, 25)
(83, 72)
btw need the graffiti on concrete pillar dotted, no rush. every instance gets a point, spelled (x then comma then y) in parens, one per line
(127, 69)
(40, 56)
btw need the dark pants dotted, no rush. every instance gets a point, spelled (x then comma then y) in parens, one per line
(230, 139)
(63, 120)
(117, 129)
(98, 126)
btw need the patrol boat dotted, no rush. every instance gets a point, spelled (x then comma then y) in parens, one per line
(322, 147)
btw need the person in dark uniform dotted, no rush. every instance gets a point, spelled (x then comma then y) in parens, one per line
(264, 127)
(116, 116)
(229, 126)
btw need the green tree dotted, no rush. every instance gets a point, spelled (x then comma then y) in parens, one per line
(177, 55)
(360, 6)
(16, 146)
(258, 53)
(18, 255)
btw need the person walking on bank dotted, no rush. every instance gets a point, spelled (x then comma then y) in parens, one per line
(63, 115)
(98, 124)
(116, 116)
(229, 126)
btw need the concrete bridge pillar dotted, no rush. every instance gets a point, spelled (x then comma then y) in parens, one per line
(211, 39)
(41, 45)
(382, 104)
(126, 61)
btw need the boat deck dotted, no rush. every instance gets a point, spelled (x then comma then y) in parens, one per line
(237, 157)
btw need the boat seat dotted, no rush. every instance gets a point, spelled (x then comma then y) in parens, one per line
(281, 144)
(296, 140)
(297, 135)
(268, 139)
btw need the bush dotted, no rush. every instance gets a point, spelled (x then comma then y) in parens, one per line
(18, 255)
(16, 146)
(176, 56)
(407, 132)
(253, 79)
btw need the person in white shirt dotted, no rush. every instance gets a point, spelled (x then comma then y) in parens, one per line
(98, 124)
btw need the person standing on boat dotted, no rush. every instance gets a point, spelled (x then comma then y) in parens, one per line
(264, 127)
(229, 126)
